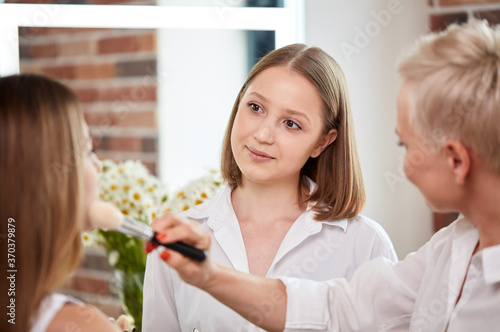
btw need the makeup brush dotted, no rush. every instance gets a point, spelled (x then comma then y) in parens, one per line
(106, 216)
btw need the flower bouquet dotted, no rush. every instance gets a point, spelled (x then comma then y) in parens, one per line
(140, 195)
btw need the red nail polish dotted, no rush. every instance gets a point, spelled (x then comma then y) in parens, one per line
(150, 246)
(165, 255)
(161, 236)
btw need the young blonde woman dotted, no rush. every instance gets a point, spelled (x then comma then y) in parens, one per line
(294, 193)
(449, 120)
(49, 178)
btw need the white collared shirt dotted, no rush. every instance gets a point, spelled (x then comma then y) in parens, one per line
(417, 294)
(311, 249)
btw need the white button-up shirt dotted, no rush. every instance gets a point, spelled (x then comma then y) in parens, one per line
(417, 294)
(311, 249)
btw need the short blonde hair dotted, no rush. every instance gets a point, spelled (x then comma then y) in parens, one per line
(41, 137)
(456, 89)
(340, 191)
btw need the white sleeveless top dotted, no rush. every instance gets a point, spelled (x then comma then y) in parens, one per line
(49, 307)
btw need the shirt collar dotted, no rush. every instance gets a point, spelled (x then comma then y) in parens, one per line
(339, 223)
(206, 210)
(491, 264)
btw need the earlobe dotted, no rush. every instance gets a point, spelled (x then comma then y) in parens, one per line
(324, 142)
(459, 160)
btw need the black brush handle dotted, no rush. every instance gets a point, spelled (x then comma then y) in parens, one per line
(186, 250)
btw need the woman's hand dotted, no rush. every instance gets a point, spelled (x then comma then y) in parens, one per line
(170, 229)
(243, 292)
(122, 322)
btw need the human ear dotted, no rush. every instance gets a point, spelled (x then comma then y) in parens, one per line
(458, 159)
(326, 140)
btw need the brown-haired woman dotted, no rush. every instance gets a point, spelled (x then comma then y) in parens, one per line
(295, 190)
(49, 178)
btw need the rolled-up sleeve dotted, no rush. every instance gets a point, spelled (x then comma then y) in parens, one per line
(307, 305)
(377, 298)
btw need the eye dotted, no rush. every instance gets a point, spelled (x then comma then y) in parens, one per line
(255, 107)
(291, 124)
(399, 143)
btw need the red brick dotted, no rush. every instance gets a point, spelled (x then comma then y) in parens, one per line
(43, 51)
(90, 285)
(76, 48)
(492, 16)
(148, 42)
(100, 120)
(131, 144)
(151, 166)
(129, 95)
(87, 95)
(441, 21)
(145, 119)
(59, 72)
(105, 70)
(130, 43)
(443, 219)
(464, 2)
(118, 45)
(30, 69)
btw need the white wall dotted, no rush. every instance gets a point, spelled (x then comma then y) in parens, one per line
(366, 38)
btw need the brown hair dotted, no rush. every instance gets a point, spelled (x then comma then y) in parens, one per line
(455, 94)
(340, 189)
(41, 136)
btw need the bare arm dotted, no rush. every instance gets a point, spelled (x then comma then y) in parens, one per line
(259, 300)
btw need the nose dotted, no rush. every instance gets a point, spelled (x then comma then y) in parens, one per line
(264, 134)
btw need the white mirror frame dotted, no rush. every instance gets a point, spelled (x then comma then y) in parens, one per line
(287, 23)
(12, 16)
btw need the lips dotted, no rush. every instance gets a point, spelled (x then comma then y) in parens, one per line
(258, 155)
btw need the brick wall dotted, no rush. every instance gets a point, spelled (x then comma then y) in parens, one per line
(442, 14)
(113, 73)
(445, 12)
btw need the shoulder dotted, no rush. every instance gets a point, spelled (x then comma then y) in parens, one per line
(371, 232)
(363, 224)
(84, 318)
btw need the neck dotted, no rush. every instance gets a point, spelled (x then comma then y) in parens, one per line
(266, 202)
(482, 208)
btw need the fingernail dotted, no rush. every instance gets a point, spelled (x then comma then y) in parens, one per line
(150, 246)
(165, 255)
(161, 236)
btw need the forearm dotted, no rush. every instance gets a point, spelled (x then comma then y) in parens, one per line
(260, 301)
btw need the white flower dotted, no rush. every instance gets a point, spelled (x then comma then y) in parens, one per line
(194, 193)
(113, 258)
(88, 239)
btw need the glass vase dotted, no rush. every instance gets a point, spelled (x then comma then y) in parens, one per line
(129, 288)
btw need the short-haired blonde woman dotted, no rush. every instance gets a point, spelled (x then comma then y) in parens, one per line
(294, 193)
(49, 178)
(449, 120)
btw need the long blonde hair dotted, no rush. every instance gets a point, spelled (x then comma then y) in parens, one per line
(41, 137)
(340, 191)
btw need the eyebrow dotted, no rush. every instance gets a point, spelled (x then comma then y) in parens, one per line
(288, 111)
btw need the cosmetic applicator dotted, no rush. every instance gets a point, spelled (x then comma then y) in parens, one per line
(106, 216)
